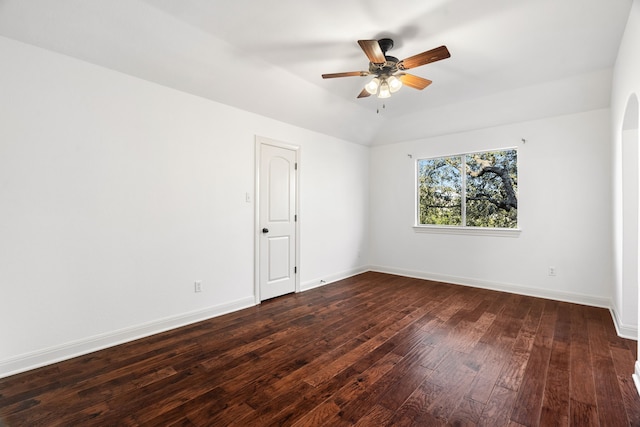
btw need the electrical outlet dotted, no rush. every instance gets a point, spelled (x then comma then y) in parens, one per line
(197, 286)
(552, 271)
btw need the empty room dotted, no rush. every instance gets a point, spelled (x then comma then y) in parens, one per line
(311, 213)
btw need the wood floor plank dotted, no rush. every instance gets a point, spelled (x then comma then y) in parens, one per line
(378, 416)
(360, 382)
(371, 350)
(624, 364)
(583, 414)
(609, 396)
(513, 372)
(415, 409)
(467, 413)
(582, 393)
(555, 404)
(481, 388)
(497, 411)
(405, 377)
(528, 404)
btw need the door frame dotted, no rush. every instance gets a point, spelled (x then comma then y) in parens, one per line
(259, 142)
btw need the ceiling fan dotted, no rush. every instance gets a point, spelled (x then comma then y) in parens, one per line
(388, 70)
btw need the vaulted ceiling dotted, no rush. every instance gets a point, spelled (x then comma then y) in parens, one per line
(511, 60)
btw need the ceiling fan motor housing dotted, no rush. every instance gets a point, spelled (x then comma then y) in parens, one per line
(385, 45)
(388, 68)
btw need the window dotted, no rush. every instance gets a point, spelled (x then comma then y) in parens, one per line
(469, 190)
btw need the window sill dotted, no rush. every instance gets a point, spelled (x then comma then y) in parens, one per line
(468, 231)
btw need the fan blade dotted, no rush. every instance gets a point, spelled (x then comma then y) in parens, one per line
(373, 51)
(424, 58)
(348, 74)
(364, 94)
(414, 81)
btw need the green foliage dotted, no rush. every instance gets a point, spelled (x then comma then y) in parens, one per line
(440, 191)
(490, 194)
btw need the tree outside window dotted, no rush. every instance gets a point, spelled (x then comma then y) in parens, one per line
(474, 190)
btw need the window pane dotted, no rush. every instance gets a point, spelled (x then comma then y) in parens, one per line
(492, 189)
(440, 191)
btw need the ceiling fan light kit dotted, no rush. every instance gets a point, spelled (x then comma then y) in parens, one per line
(372, 86)
(384, 91)
(383, 86)
(388, 70)
(394, 84)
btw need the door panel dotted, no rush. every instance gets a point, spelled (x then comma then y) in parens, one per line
(279, 256)
(279, 189)
(277, 226)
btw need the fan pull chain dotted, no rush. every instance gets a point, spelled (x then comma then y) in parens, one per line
(378, 109)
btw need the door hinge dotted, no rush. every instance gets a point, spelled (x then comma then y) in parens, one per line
(295, 270)
(295, 218)
(296, 166)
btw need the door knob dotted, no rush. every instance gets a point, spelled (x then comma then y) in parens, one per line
(265, 230)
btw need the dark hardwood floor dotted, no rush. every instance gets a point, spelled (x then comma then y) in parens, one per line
(372, 350)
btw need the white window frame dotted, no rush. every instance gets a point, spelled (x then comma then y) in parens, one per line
(459, 229)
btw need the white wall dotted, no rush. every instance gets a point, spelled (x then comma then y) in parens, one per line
(564, 212)
(625, 281)
(117, 194)
(624, 94)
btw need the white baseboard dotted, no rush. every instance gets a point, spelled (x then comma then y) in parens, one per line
(636, 376)
(623, 330)
(70, 350)
(504, 287)
(316, 283)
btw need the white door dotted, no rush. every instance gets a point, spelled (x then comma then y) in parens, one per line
(277, 220)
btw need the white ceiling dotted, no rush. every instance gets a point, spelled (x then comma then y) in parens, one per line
(510, 59)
